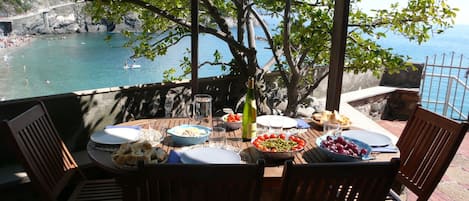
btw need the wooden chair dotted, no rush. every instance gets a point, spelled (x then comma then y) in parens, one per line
(47, 161)
(427, 145)
(195, 182)
(367, 181)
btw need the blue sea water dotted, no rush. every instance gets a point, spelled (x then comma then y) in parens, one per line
(52, 65)
(452, 40)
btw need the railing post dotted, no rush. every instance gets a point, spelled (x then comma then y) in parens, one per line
(448, 93)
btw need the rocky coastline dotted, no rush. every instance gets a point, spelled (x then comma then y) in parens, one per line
(66, 19)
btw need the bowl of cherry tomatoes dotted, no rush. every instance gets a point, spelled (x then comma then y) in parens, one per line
(278, 146)
(232, 120)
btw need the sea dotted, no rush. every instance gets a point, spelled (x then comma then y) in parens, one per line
(67, 63)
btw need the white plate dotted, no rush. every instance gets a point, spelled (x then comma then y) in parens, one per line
(211, 155)
(371, 138)
(276, 121)
(116, 135)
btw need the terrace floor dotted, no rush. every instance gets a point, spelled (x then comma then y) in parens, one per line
(455, 183)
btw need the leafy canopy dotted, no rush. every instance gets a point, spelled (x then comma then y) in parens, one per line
(300, 43)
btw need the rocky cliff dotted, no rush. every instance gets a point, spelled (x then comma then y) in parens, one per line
(59, 17)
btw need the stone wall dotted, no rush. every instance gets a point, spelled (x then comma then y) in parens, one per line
(400, 105)
(373, 107)
(397, 105)
(405, 79)
(351, 82)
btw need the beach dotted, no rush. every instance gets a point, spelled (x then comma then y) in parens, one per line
(8, 44)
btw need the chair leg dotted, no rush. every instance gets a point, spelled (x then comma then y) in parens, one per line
(393, 196)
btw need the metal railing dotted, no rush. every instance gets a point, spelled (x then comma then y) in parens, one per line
(445, 88)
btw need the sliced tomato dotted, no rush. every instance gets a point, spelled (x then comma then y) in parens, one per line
(272, 136)
(261, 138)
(266, 136)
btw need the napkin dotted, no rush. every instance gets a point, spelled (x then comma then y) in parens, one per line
(174, 157)
(386, 149)
(117, 126)
(302, 124)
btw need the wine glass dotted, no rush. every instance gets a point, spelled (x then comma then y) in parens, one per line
(332, 128)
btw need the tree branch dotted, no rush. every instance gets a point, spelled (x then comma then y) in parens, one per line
(173, 43)
(302, 3)
(251, 32)
(276, 53)
(286, 41)
(303, 57)
(272, 62)
(378, 23)
(214, 63)
(213, 11)
(240, 20)
(219, 34)
(311, 88)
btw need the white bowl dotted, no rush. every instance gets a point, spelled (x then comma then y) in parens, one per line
(232, 125)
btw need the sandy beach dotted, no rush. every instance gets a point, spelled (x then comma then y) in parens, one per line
(8, 45)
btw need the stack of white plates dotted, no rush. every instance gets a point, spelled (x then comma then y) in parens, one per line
(210, 155)
(116, 135)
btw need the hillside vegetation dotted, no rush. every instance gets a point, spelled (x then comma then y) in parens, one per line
(13, 7)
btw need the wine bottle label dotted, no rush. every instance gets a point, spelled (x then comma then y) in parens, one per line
(251, 130)
(253, 105)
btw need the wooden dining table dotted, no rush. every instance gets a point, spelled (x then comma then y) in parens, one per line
(273, 170)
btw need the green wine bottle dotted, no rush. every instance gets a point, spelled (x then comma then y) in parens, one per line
(249, 113)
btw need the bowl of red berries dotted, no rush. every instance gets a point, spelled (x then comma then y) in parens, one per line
(278, 146)
(232, 120)
(340, 148)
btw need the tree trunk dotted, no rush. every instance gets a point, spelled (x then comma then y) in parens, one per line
(292, 95)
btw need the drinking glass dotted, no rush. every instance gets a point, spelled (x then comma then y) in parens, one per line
(202, 113)
(218, 137)
(332, 128)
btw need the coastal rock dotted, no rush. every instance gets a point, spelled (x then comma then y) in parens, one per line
(69, 19)
(302, 111)
(73, 28)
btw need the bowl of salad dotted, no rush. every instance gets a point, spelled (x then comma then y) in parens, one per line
(278, 146)
(232, 120)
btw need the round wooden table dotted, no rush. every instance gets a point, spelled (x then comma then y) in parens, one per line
(101, 155)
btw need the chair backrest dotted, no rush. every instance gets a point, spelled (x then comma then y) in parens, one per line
(46, 159)
(427, 145)
(338, 181)
(195, 182)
